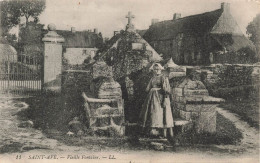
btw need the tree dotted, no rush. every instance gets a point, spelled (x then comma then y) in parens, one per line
(10, 16)
(253, 30)
(13, 10)
(30, 41)
(31, 8)
(11, 13)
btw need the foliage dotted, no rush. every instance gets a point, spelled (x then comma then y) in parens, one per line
(10, 15)
(226, 133)
(31, 8)
(31, 39)
(253, 30)
(12, 11)
(246, 108)
(123, 58)
(32, 33)
(247, 55)
(11, 39)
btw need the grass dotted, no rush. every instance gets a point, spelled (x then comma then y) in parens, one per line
(226, 133)
(242, 100)
(52, 114)
(246, 108)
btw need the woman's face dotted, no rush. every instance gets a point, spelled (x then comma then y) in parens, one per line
(157, 70)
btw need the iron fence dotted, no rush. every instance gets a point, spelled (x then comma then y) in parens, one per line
(20, 75)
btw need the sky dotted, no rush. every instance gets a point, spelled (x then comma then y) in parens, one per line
(109, 15)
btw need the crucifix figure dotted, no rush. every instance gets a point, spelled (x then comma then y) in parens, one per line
(130, 17)
(130, 26)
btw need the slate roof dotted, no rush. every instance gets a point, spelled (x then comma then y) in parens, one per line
(81, 39)
(195, 24)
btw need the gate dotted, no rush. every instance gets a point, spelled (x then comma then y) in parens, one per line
(20, 75)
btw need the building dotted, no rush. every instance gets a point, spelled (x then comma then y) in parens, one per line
(211, 37)
(80, 45)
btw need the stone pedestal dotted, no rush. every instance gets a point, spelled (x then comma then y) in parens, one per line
(52, 60)
(105, 116)
(104, 106)
(101, 69)
(193, 103)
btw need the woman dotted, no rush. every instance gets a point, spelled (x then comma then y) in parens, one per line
(156, 113)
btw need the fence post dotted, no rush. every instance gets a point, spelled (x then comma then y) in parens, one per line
(8, 75)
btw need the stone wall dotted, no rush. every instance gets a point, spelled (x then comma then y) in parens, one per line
(231, 80)
(77, 56)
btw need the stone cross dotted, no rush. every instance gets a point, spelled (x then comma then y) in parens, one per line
(130, 17)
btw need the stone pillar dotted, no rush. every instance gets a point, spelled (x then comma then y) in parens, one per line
(52, 60)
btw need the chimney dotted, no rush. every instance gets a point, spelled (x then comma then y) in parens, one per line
(225, 6)
(95, 30)
(116, 32)
(154, 21)
(73, 29)
(176, 16)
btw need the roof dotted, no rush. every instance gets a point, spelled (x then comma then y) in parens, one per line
(6, 49)
(3, 40)
(218, 23)
(113, 40)
(81, 39)
(132, 37)
(141, 32)
(195, 24)
(235, 43)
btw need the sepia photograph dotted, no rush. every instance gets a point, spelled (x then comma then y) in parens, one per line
(129, 81)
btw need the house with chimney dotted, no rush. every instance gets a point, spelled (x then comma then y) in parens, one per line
(207, 38)
(80, 46)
